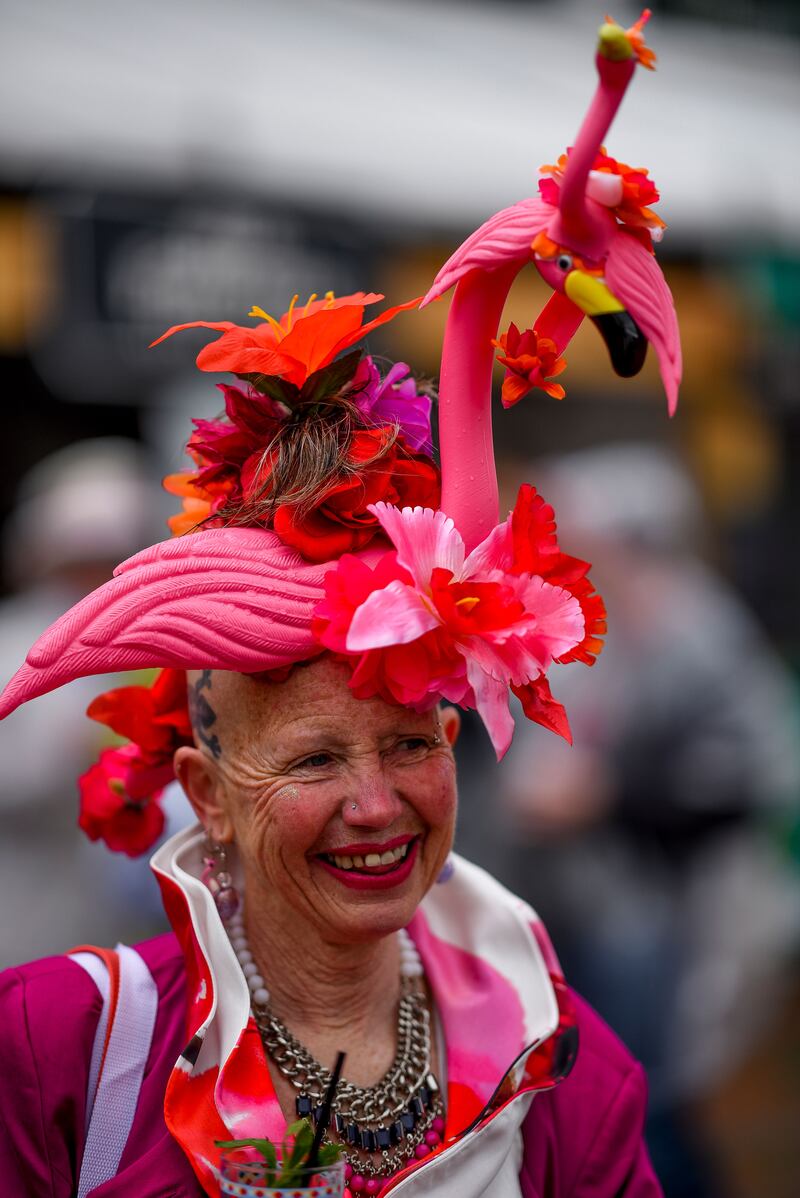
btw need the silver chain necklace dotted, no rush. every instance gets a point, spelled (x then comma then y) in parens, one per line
(394, 1118)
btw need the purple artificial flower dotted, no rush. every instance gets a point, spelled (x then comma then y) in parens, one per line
(394, 400)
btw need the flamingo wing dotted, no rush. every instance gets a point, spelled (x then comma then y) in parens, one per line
(231, 599)
(504, 238)
(637, 281)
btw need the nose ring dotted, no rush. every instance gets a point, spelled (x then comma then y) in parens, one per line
(354, 806)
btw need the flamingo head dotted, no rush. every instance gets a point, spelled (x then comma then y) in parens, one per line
(619, 50)
(583, 281)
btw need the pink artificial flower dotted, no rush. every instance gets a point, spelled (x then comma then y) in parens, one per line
(471, 627)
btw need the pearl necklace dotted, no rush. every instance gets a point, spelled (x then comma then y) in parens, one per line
(410, 962)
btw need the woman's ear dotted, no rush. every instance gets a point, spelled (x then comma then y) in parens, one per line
(198, 776)
(451, 724)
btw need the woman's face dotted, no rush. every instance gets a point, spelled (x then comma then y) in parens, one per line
(342, 809)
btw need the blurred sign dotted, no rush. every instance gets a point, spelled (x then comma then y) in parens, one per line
(128, 268)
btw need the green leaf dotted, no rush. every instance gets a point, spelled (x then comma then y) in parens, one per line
(275, 387)
(271, 1157)
(265, 1147)
(294, 1129)
(330, 379)
(294, 1159)
(329, 1154)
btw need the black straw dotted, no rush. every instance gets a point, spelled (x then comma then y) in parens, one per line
(325, 1113)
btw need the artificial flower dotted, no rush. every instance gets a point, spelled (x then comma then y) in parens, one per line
(343, 520)
(234, 458)
(415, 675)
(468, 614)
(155, 717)
(119, 801)
(530, 361)
(638, 190)
(394, 400)
(533, 549)
(635, 34)
(292, 348)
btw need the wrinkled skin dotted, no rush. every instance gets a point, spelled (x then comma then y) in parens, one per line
(295, 757)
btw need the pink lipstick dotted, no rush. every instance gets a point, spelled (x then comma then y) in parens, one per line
(377, 877)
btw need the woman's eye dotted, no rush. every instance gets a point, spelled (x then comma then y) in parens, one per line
(412, 745)
(314, 761)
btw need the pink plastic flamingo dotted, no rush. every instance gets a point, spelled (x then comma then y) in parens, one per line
(596, 267)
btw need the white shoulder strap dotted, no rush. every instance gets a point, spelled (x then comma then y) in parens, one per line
(119, 1056)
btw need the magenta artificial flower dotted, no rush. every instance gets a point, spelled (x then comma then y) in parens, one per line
(467, 626)
(394, 400)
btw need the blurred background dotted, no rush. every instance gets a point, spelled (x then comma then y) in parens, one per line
(162, 163)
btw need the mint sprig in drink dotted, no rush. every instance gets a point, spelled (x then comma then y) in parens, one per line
(257, 1168)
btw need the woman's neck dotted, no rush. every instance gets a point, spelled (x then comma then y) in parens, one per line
(315, 984)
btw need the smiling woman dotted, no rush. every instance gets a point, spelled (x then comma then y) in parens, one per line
(320, 615)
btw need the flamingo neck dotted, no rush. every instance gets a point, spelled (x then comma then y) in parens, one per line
(469, 476)
(575, 224)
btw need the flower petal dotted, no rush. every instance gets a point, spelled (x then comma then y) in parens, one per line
(491, 702)
(394, 616)
(218, 326)
(389, 314)
(558, 620)
(424, 539)
(540, 706)
(495, 552)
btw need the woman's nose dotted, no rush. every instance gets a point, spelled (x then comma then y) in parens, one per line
(371, 802)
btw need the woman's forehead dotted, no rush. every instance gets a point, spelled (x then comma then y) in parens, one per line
(314, 699)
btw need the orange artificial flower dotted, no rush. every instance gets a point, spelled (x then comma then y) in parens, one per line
(638, 189)
(302, 341)
(635, 35)
(530, 361)
(199, 502)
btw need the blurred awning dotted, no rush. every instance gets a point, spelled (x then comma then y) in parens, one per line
(418, 112)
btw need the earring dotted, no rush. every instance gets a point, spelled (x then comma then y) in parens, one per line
(448, 869)
(219, 881)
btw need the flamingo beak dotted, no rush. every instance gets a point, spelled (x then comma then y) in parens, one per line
(625, 341)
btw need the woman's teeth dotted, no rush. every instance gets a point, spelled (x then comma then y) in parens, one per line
(371, 860)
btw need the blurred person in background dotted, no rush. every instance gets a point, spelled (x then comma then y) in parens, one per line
(79, 512)
(646, 846)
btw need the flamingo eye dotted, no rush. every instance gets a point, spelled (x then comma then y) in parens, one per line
(564, 262)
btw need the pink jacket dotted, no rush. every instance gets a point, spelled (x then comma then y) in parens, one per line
(580, 1139)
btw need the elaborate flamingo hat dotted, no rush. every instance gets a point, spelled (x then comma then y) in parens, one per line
(316, 520)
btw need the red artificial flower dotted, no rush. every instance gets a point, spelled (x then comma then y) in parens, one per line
(470, 608)
(536, 551)
(399, 673)
(301, 342)
(119, 801)
(638, 190)
(530, 361)
(340, 522)
(541, 708)
(221, 449)
(155, 718)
